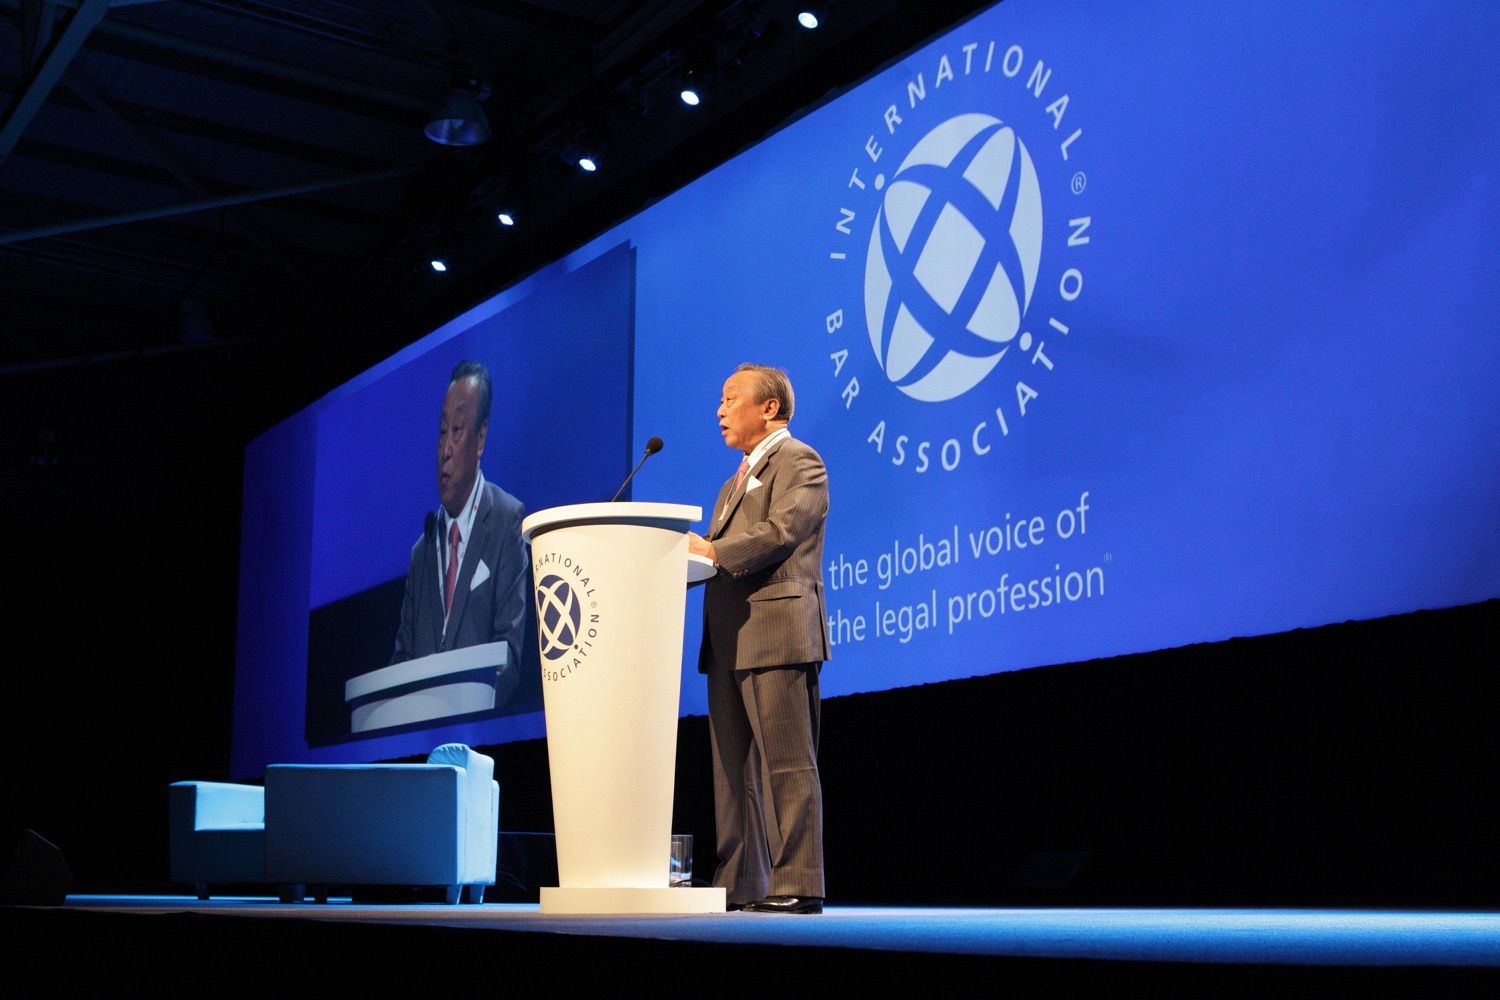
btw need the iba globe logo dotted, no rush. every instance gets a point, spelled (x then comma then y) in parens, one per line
(954, 258)
(565, 632)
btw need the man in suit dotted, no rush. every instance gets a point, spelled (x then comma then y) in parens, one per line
(466, 584)
(765, 637)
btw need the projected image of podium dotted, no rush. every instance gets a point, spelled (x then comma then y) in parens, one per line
(610, 584)
(437, 686)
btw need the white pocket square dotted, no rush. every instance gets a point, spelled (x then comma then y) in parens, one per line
(481, 574)
(752, 484)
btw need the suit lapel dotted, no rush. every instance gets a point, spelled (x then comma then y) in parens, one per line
(467, 567)
(720, 515)
(435, 580)
(734, 502)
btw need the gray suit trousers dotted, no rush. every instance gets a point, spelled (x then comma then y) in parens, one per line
(768, 798)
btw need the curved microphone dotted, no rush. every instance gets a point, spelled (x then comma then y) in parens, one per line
(652, 447)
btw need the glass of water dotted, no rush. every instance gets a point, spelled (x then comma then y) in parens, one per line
(680, 870)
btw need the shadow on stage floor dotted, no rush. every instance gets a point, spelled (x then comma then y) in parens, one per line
(109, 945)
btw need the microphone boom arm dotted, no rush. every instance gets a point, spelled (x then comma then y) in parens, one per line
(652, 447)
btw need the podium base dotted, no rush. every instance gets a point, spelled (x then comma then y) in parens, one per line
(678, 899)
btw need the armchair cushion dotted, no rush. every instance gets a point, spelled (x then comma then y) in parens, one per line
(215, 833)
(384, 824)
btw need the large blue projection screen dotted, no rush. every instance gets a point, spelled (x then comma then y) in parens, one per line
(1119, 326)
(336, 496)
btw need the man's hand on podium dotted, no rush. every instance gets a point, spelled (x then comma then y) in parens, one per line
(700, 546)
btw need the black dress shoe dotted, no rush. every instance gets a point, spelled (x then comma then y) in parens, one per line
(786, 904)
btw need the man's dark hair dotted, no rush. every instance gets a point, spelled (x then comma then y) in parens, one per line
(481, 376)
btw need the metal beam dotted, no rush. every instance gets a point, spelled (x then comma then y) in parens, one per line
(165, 46)
(219, 130)
(82, 225)
(130, 355)
(172, 165)
(37, 19)
(46, 75)
(169, 45)
(168, 162)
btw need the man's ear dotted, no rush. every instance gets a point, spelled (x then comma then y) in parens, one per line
(772, 408)
(484, 432)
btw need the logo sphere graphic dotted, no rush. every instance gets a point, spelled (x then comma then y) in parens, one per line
(558, 615)
(953, 257)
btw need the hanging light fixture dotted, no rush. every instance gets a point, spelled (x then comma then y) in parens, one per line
(458, 119)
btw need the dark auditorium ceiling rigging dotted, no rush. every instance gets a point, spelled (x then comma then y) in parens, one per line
(206, 176)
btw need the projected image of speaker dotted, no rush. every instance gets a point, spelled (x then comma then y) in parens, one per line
(460, 625)
(385, 590)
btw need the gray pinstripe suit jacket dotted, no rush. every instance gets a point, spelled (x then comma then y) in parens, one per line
(765, 607)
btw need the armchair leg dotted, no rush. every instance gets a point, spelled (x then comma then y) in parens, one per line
(474, 893)
(201, 888)
(292, 892)
(451, 894)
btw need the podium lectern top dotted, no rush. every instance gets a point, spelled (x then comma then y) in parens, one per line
(674, 516)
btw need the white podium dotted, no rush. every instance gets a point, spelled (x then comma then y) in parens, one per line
(610, 595)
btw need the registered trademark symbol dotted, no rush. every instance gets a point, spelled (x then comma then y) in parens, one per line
(1079, 182)
(593, 604)
(1107, 557)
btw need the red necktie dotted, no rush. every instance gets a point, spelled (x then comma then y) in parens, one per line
(452, 567)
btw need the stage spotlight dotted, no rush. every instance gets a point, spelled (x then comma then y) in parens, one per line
(587, 164)
(808, 19)
(505, 219)
(458, 120)
(438, 264)
(696, 68)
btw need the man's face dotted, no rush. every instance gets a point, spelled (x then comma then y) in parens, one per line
(742, 420)
(460, 443)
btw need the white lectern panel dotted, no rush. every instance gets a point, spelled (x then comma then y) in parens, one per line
(610, 597)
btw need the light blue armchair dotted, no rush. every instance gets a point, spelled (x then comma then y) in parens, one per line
(358, 825)
(216, 834)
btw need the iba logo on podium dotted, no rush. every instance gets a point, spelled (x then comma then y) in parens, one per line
(565, 631)
(971, 235)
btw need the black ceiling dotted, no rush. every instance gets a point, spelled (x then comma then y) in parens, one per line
(230, 181)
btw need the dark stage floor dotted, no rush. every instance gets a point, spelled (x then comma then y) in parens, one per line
(973, 951)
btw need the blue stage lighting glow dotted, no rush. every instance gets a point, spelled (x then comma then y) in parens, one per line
(438, 265)
(588, 164)
(506, 219)
(690, 97)
(807, 19)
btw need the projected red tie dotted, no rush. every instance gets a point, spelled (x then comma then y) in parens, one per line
(452, 567)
